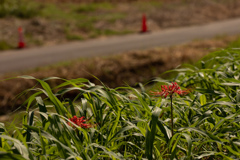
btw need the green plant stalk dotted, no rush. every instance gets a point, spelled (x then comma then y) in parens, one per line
(171, 116)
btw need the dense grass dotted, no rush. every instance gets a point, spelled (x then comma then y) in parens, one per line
(129, 123)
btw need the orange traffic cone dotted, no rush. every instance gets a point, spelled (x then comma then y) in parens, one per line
(144, 24)
(21, 43)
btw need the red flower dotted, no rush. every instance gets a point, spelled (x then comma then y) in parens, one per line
(79, 122)
(170, 90)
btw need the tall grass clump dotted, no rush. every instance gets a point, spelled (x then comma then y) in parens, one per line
(129, 123)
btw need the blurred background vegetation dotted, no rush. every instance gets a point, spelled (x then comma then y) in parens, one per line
(19, 8)
(52, 22)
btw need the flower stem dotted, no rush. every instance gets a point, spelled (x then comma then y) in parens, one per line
(171, 114)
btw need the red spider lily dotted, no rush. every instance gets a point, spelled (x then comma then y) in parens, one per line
(170, 90)
(79, 122)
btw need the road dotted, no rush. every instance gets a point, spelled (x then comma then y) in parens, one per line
(19, 60)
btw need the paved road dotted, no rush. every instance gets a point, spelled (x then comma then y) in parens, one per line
(11, 61)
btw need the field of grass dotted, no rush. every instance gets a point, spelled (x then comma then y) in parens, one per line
(126, 122)
(52, 22)
(75, 21)
(151, 122)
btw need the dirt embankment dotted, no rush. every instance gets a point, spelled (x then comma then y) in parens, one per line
(128, 68)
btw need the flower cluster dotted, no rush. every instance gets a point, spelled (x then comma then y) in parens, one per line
(79, 122)
(170, 90)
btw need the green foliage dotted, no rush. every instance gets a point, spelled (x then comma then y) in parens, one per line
(18, 8)
(128, 123)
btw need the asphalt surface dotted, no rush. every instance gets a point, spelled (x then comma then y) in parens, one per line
(19, 60)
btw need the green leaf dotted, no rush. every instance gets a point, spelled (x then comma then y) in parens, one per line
(205, 155)
(150, 135)
(108, 151)
(72, 108)
(189, 141)
(164, 130)
(231, 84)
(30, 123)
(232, 151)
(173, 142)
(112, 131)
(10, 156)
(203, 99)
(122, 130)
(20, 147)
